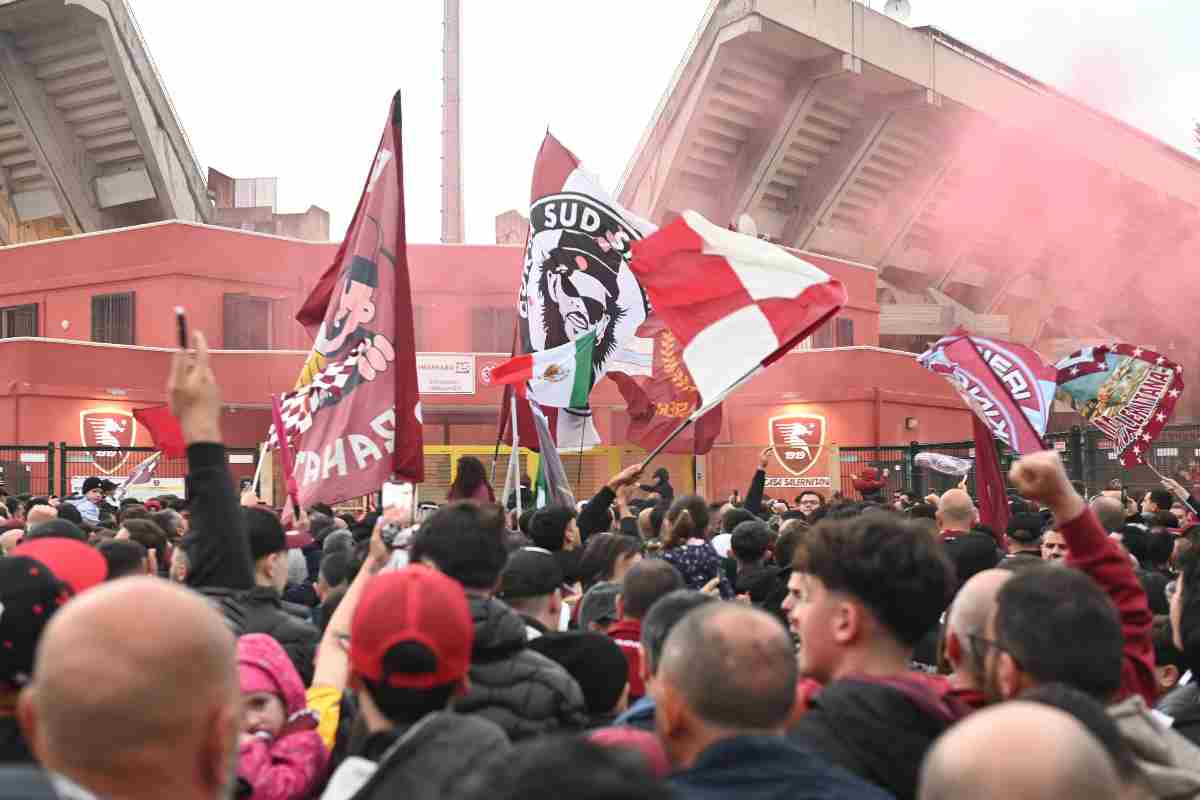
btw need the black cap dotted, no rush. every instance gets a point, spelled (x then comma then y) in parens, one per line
(1026, 528)
(106, 485)
(30, 594)
(92, 483)
(530, 572)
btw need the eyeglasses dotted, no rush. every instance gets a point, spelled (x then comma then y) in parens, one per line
(982, 644)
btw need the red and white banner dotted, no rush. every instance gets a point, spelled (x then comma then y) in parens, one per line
(1007, 385)
(358, 422)
(735, 302)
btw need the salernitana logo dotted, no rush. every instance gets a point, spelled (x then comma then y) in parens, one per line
(798, 440)
(105, 433)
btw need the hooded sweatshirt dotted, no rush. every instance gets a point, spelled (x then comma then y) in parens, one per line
(878, 729)
(522, 691)
(291, 765)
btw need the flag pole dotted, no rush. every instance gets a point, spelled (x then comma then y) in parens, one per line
(401, 294)
(262, 459)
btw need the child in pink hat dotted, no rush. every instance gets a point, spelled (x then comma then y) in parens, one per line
(281, 756)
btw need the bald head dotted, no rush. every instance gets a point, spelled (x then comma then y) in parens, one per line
(9, 540)
(132, 680)
(956, 510)
(1057, 758)
(733, 665)
(968, 617)
(1111, 513)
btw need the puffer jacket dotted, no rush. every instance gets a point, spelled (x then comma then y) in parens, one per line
(261, 610)
(523, 692)
(425, 761)
(290, 766)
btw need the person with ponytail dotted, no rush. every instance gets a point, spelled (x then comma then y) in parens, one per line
(686, 548)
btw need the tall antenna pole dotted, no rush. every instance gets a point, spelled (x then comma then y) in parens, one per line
(452, 186)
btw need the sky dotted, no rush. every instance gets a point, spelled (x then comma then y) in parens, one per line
(300, 91)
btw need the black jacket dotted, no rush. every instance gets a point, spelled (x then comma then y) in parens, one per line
(662, 488)
(523, 692)
(429, 760)
(879, 730)
(13, 747)
(220, 566)
(595, 516)
(219, 553)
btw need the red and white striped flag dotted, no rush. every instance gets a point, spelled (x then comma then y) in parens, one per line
(735, 303)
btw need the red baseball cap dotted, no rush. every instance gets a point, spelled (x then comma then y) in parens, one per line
(76, 564)
(416, 604)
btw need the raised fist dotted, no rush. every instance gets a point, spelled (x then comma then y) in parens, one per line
(375, 357)
(1041, 477)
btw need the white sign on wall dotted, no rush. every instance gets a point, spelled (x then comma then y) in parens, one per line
(814, 482)
(446, 373)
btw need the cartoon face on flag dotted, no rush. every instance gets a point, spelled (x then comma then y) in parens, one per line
(355, 413)
(576, 276)
(1008, 386)
(1127, 392)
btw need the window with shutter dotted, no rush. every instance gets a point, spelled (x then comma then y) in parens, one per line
(112, 318)
(845, 332)
(247, 322)
(19, 321)
(823, 337)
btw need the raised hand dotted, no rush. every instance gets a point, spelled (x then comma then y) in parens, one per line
(195, 397)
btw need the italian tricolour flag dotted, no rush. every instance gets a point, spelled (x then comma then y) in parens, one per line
(560, 377)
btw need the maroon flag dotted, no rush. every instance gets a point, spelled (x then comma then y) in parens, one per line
(1007, 385)
(989, 481)
(659, 404)
(361, 405)
(164, 430)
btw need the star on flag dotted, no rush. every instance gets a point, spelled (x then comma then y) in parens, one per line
(1137, 351)
(1145, 437)
(1161, 417)
(1136, 450)
(1174, 393)
(1074, 370)
(1160, 361)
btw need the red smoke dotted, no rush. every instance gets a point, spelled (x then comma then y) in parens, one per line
(1117, 254)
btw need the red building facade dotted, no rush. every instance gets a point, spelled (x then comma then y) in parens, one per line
(88, 328)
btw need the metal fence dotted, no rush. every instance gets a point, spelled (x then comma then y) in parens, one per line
(76, 464)
(1088, 455)
(27, 469)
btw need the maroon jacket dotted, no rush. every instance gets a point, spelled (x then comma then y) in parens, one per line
(1092, 552)
(628, 635)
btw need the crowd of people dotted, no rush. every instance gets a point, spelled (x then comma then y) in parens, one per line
(641, 645)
